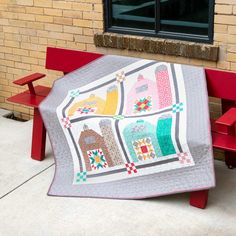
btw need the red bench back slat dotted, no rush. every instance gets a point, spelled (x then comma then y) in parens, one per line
(221, 84)
(68, 60)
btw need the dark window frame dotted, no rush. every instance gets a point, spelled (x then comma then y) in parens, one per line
(160, 34)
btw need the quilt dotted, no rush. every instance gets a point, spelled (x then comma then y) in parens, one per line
(124, 127)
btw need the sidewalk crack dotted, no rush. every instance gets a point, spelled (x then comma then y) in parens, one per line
(26, 181)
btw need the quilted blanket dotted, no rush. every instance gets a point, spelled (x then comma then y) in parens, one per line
(124, 127)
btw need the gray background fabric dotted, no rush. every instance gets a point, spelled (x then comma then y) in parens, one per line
(200, 176)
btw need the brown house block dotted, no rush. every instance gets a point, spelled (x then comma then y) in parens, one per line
(91, 140)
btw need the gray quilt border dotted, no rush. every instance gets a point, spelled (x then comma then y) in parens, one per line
(200, 176)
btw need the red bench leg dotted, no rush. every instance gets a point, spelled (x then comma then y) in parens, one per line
(230, 159)
(199, 199)
(38, 137)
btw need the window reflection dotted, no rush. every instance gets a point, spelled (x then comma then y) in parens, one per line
(171, 18)
(185, 16)
(134, 14)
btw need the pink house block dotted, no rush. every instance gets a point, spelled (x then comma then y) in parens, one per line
(142, 97)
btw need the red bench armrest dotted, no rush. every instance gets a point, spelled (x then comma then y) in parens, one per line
(228, 118)
(227, 122)
(29, 79)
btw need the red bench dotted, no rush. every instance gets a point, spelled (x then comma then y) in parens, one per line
(221, 84)
(56, 59)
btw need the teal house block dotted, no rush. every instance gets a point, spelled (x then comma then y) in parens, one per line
(140, 138)
(163, 131)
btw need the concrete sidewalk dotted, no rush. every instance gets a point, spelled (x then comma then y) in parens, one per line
(25, 208)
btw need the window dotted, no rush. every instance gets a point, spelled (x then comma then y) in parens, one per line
(190, 20)
(90, 140)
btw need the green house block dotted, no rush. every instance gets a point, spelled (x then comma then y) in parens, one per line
(163, 132)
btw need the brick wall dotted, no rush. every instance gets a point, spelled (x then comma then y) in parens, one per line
(27, 27)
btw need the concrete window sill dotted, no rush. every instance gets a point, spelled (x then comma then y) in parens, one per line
(157, 46)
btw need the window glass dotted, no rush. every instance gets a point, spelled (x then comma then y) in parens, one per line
(142, 88)
(181, 19)
(185, 16)
(90, 140)
(134, 14)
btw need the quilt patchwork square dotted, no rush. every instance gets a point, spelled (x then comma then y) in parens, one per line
(144, 148)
